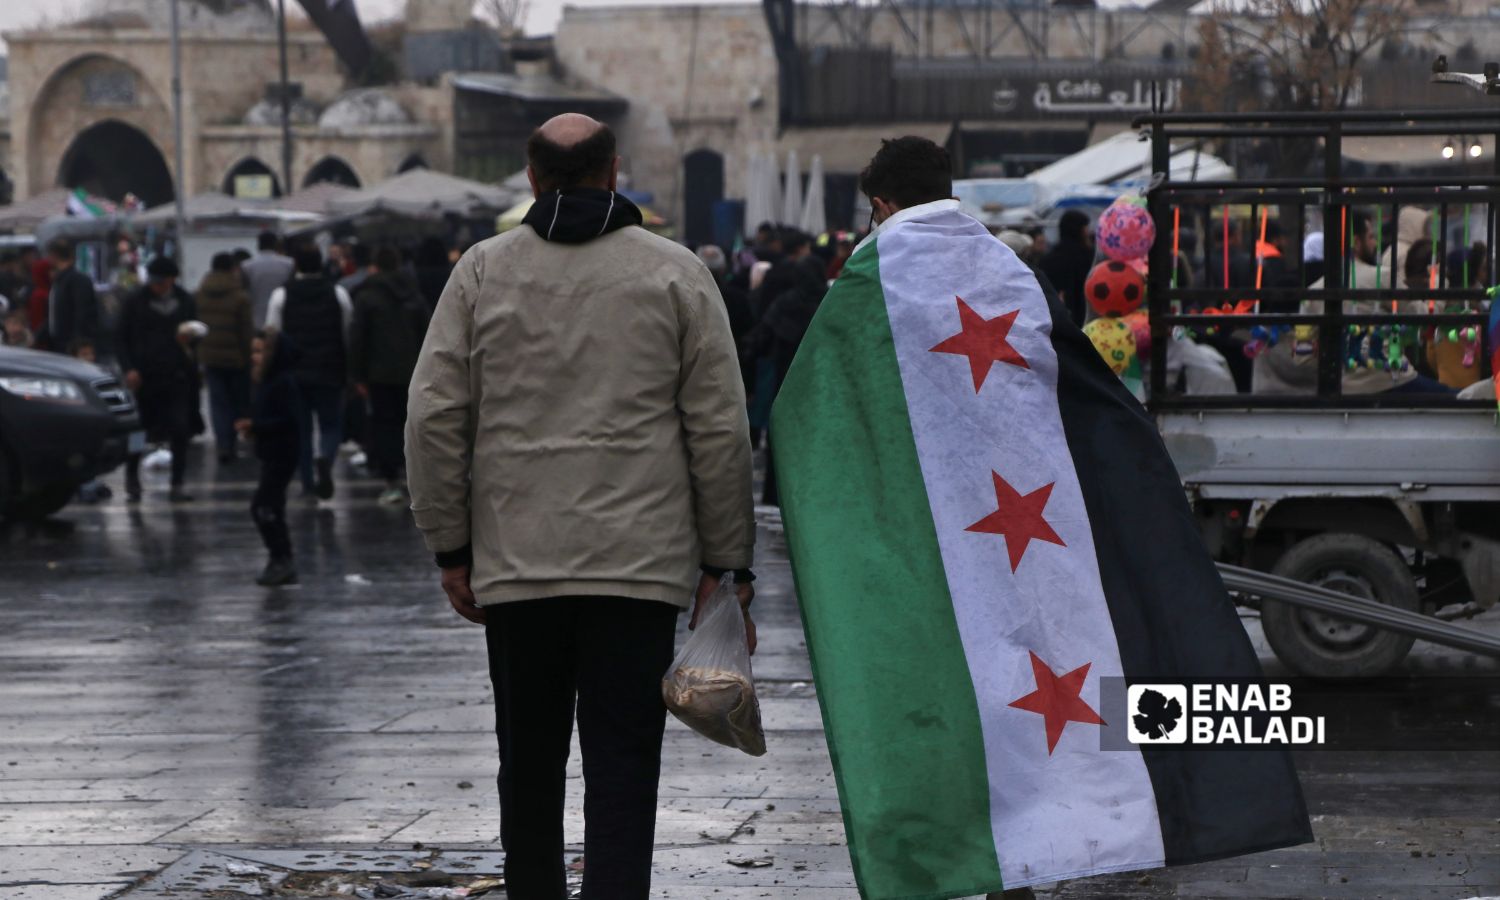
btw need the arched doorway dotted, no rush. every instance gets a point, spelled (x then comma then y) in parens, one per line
(415, 161)
(252, 179)
(702, 187)
(331, 168)
(112, 159)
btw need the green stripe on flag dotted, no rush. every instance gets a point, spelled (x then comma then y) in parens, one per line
(898, 702)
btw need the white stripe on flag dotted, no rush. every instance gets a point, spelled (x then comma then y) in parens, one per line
(1076, 810)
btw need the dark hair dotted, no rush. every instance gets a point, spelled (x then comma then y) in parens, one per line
(1359, 223)
(1418, 260)
(1274, 231)
(241, 254)
(793, 240)
(557, 167)
(1072, 226)
(60, 248)
(908, 171)
(223, 262)
(362, 255)
(387, 258)
(309, 259)
(268, 240)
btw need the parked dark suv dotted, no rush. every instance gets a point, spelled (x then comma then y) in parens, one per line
(62, 423)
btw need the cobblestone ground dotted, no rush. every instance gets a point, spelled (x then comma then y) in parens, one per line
(162, 717)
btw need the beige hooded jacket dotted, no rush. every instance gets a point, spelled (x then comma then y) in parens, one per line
(577, 415)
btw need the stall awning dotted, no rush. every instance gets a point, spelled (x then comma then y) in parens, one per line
(541, 89)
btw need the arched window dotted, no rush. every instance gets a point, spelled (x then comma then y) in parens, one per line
(331, 168)
(112, 159)
(251, 179)
(414, 161)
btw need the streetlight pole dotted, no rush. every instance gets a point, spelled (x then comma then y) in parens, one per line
(286, 102)
(180, 180)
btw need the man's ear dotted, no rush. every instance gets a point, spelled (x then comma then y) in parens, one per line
(536, 191)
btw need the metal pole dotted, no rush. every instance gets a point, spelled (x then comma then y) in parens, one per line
(286, 102)
(181, 217)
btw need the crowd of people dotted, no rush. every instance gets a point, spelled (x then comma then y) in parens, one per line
(298, 350)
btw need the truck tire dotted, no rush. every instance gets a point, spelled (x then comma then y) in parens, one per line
(1323, 646)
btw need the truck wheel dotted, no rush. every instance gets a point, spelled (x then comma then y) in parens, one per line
(1320, 645)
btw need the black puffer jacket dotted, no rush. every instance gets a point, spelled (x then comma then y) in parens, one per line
(148, 341)
(276, 409)
(390, 320)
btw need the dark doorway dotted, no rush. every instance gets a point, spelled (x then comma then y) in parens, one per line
(331, 168)
(252, 171)
(415, 161)
(702, 187)
(112, 159)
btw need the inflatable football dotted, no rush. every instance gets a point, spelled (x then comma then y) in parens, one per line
(1114, 289)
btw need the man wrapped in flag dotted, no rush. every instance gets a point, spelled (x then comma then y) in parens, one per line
(983, 523)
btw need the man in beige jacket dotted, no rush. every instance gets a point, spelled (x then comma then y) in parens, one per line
(579, 460)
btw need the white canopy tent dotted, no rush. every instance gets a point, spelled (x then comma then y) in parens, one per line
(791, 203)
(1126, 158)
(814, 218)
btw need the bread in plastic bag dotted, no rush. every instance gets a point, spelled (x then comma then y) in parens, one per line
(710, 686)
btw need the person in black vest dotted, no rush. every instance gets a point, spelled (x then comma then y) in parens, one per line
(156, 353)
(316, 313)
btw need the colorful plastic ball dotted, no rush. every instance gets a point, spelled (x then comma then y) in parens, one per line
(1114, 289)
(1140, 327)
(1126, 230)
(1115, 342)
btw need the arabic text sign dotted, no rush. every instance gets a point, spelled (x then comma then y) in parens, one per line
(1087, 97)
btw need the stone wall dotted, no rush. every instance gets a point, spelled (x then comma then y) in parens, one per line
(705, 79)
(374, 153)
(55, 77)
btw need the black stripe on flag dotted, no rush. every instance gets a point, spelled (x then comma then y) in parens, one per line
(1172, 615)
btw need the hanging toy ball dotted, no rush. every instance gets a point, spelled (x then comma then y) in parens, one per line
(1126, 230)
(1114, 341)
(1453, 335)
(1114, 289)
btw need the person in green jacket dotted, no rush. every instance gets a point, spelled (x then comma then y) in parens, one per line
(390, 321)
(224, 306)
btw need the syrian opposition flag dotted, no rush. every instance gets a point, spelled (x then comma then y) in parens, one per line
(982, 524)
(82, 206)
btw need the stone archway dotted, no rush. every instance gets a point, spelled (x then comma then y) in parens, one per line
(331, 168)
(83, 105)
(702, 187)
(414, 161)
(237, 184)
(112, 159)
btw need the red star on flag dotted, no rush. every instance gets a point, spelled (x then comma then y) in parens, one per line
(1019, 519)
(983, 341)
(1056, 699)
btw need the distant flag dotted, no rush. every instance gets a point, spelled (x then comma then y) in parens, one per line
(339, 22)
(80, 205)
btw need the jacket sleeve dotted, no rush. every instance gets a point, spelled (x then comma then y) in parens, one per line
(715, 425)
(440, 417)
(85, 310)
(124, 335)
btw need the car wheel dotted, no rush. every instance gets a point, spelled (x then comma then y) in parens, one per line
(44, 503)
(1324, 646)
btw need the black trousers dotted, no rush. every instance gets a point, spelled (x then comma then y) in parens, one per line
(605, 656)
(268, 506)
(387, 430)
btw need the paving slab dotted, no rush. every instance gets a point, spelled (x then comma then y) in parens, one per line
(337, 725)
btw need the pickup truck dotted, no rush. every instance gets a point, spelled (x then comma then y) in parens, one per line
(63, 422)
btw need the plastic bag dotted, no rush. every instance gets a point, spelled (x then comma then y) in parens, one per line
(710, 686)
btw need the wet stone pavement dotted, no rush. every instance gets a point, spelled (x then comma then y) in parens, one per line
(165, 723)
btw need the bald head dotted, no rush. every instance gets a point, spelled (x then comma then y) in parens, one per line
(571, 151)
